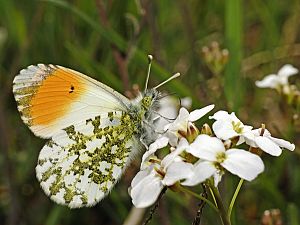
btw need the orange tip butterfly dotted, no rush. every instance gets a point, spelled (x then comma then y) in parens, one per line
(93, 131)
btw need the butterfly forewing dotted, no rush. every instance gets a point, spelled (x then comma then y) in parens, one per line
(81, 164)
(51, 98)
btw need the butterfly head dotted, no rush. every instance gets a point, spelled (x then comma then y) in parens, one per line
(142, 107)
(150, 99)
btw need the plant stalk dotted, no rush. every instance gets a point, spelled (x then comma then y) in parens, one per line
(185, 190)
(237, 190)
(222, 212)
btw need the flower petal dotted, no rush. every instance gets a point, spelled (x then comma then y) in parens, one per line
(146, 192)
(217, 177)
(180, 122)
(241, 140)
(176, 172)
(223, 129)
(269, 81)
(198, 113)
(234, 118)
(186, 102)
(221, 115)
(168, 159)
(202, 170)
(287, 70)
(268, 146)
(283, 143)
(169, 110)
(250, 138)
(243, 164)
(140, 176)
(206, 147)
(158, 144)
(173, 138)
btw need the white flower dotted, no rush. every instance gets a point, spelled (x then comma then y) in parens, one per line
(183, 122)
(228, 126)
(145, 187)
(149, 182)
(160, 142)
(277, 80)
(267, 143)
(214, 157)
(186, 102)
(169, 110)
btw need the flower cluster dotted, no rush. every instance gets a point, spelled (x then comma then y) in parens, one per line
(198, 156)
(215, 57)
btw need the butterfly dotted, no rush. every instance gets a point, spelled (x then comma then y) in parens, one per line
(93, 131)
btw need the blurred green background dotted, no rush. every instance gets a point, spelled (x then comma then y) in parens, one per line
(109, 40)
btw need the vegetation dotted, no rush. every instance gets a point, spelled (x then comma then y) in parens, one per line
(110, 41)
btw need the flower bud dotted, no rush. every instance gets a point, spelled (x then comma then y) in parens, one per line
(227, 144)
(192, 132)
(272, 216)
(206, 129)
(256, 151)
(215, 57)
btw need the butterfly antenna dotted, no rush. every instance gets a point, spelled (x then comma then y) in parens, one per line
(150, 58)
(166, 81)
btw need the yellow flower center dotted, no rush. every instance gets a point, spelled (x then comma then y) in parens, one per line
(237, 127)
(220, 157)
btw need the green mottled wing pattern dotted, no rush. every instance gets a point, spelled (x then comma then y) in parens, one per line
(82, 163)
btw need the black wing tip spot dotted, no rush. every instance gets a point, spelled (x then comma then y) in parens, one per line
(72, 88)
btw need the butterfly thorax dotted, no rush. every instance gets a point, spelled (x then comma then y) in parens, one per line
(142, 111)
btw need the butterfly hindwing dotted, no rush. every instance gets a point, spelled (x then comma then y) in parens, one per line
(81, 164)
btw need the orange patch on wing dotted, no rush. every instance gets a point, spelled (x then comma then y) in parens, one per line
(55, 96)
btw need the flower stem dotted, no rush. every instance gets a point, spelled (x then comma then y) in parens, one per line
(222, 212)
(185, 190)
(237, 190)
(213, 196)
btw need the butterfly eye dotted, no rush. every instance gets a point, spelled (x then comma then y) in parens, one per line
(146, 101)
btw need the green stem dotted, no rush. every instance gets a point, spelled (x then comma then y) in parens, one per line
(213, 196)
(185, 190)
(222, 212)
(237, 190)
